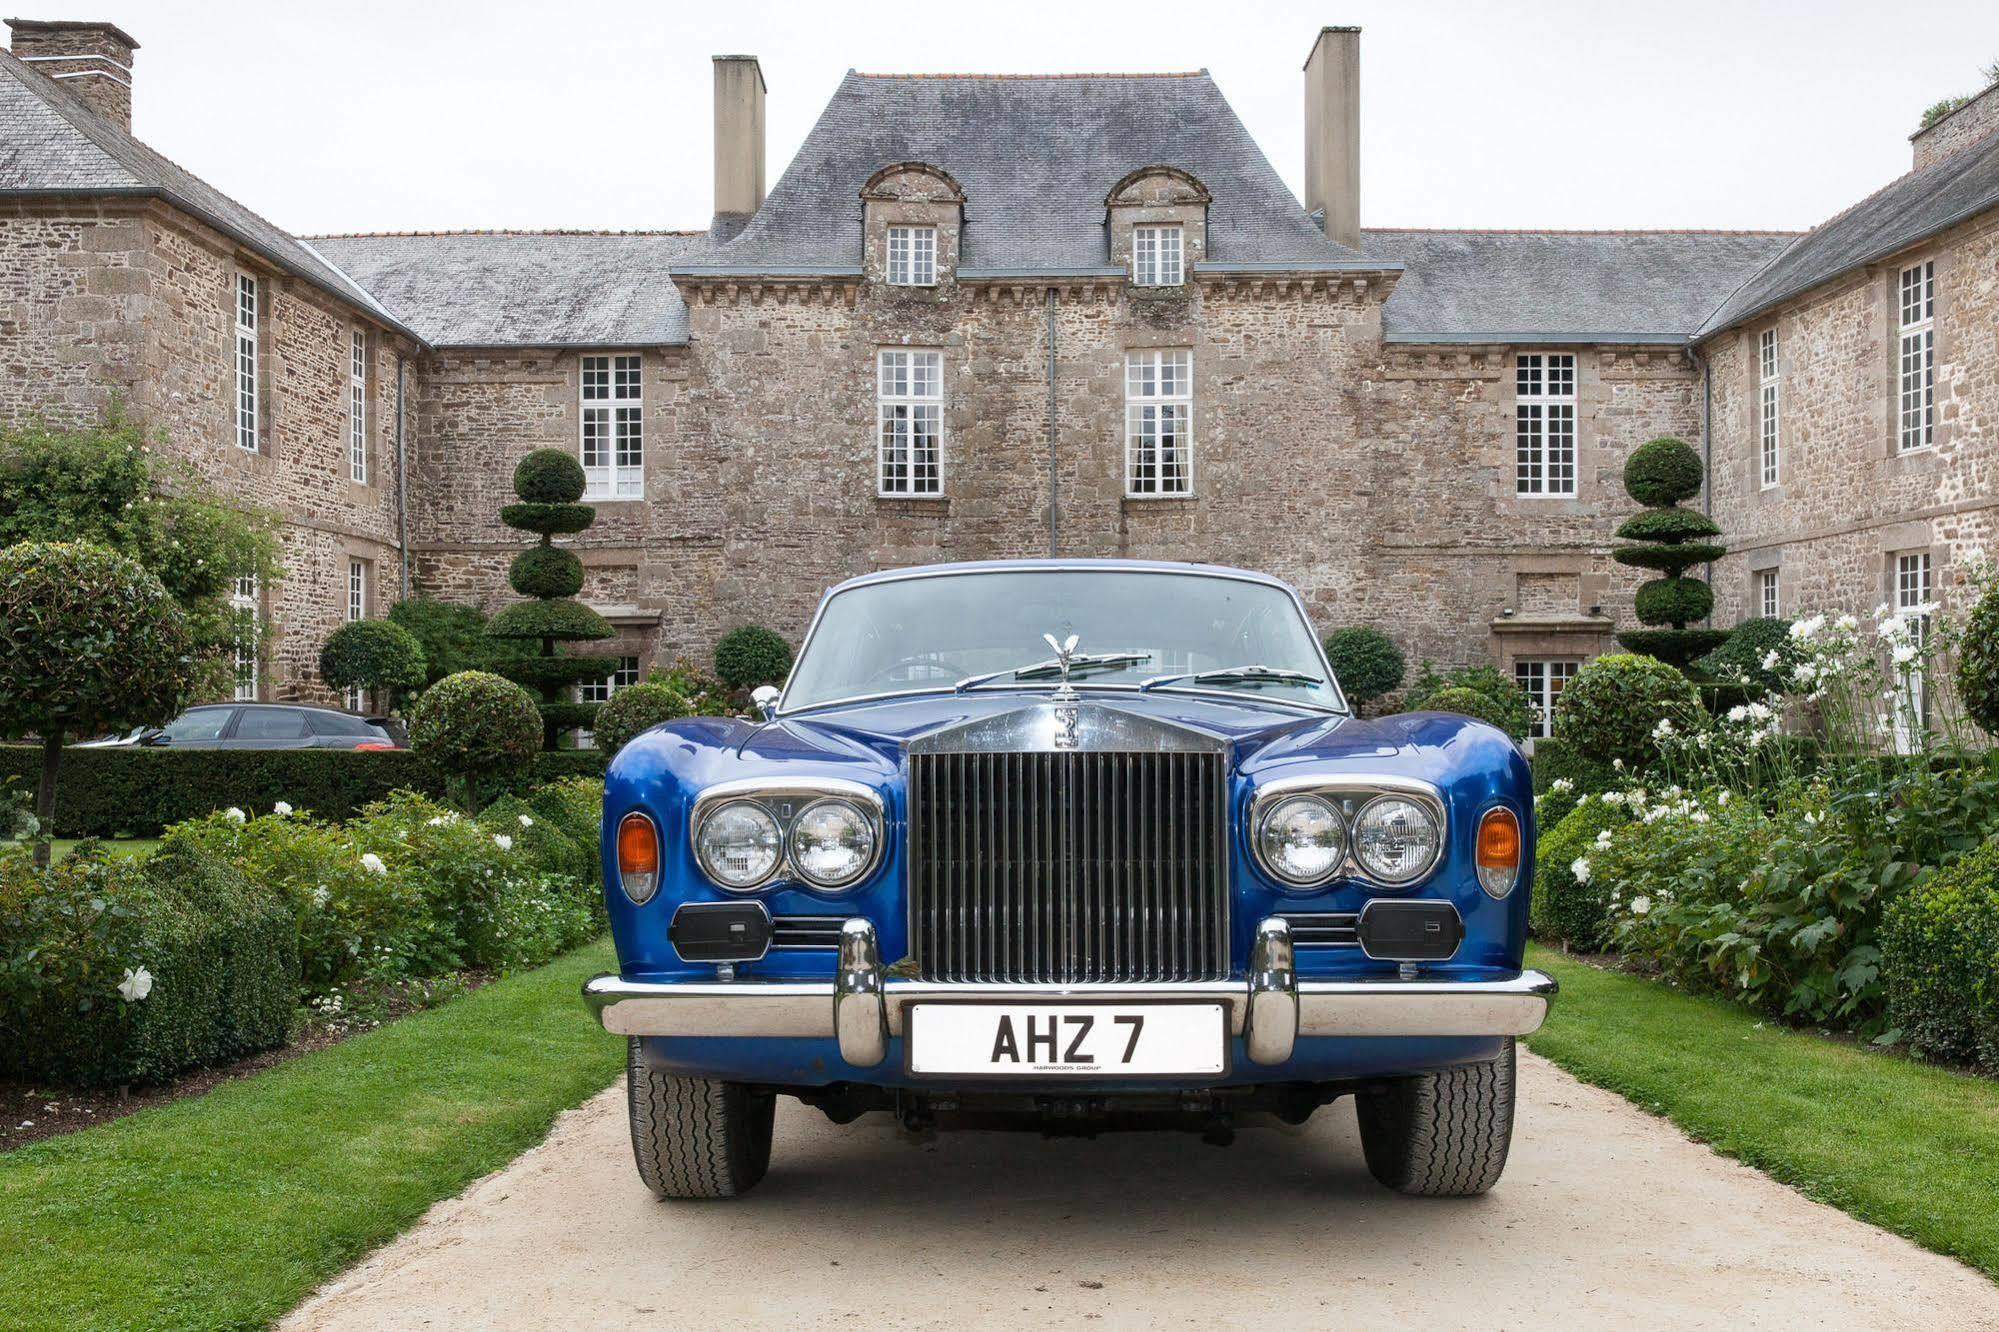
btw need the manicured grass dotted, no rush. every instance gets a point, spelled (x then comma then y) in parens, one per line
(1907, 1146)
(226, 1209)
(120, 846)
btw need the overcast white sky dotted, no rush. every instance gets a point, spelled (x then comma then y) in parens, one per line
(375, 115)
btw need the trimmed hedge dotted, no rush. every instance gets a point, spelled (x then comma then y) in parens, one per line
(549, 476)
(1978, 662)
(1662, 472)
(751, 655)
(1940, 961)
(546, 572)
(1468, 702)
(1563, 906)
(1366, 661)
(1555, 758)
(1609, 710)
(139, 792)
(634, 710)
(1672, 526)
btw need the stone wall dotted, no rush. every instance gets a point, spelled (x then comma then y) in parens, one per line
(1960, 129)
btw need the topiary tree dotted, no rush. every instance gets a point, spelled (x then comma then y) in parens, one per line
(1366, 661)
(1669, 539)
(479, 730)
(371, 655)
(89, 643)
(1471, 703)
(1978, 662)
(634, 710)
(549, 482)
(752, 655)
(1611, 710)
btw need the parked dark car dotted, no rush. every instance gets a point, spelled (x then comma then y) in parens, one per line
(264, 726)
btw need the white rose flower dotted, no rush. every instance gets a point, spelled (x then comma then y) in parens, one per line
(1603, 838)
(281, 809)
(1580, 868)
(1894, 629)
(504, 842)
(1561, 786)
(1640, 905)
(138, 983)
(1663, 729)
(1737, 713)
(1846, 623)
(1771, 659)
(1905, 653)
(526, 822)
(233, 814)
(1802, 673)
(1806, 630)
(373, 864)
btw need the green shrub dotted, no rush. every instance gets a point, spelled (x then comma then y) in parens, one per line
(568, 621)
(549, 476)
(548, 519)
(1609, 712)
(1508, 699)
(1673, 601)
(546, 571)
(1940, 961)
(1978, 662)
(1662, 472)
(1740, 660)
(633, 710)
(1662, 556)
(372, 654)
(550, 847)
(1672, 526)
(751, 655)
(453, 637)
(1568, 906)
(706, 696)
(1557, 760)
(1366, 661)
(479, 729)
(576, 805)
(1468, 703)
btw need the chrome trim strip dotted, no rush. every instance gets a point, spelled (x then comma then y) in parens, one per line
(1368, 786)
(1080, 686)
(761, 790)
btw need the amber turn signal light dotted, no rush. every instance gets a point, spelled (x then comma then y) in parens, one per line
(1498, 852)
(638, 858)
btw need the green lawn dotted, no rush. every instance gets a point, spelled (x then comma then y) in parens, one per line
(1904, 1145)
(224, 1210)
(120, 846)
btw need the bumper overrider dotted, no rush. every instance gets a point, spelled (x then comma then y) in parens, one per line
(863, 1005)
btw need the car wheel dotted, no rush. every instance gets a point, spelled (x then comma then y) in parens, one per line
(1440, 1135)
(695, 1137)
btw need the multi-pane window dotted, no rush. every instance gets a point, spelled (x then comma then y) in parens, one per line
(613, 428)
(1155, 257)
(1912, 603)
(1543, 680)
(357, 408)
(246, 362)
(600, 691)
(1767, 604)
(1917, 360)
(912, 256)
(1767, 407)
(1158, 423)
(910, 417)
(1544, 424)
(357, 609)
(243, 604)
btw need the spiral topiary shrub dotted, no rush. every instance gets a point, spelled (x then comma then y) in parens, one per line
(373, 654)
(479, 730)
(1366, 661)
(1611, 710)
(1669, 540)
(752, 655)
(634, 710)
(1662, 472)
(1978, 662)
(1673, 600)
(549, 476)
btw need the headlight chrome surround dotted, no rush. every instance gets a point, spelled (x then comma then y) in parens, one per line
(800, 849)
(1377, 809)
(785, 803)
(1350, 795)
(1271, 845)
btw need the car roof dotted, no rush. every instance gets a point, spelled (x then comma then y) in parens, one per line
(1060, 563)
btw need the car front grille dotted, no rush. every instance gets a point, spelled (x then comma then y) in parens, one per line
(1062, 867)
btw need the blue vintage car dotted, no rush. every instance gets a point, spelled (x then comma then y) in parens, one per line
(1063, 839)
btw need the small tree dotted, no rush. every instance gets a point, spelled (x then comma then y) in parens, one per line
(1667, 538)
(89, 643)
(453, 638)
(549, 483)
(371, 655)
(1366, 661)
(752, 655)
(477, 729)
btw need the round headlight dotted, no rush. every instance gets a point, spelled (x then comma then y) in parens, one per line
(831, 843)
(738, 845)
(1302, 840)
(1395, 839)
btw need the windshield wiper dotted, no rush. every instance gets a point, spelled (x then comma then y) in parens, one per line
(1251, 674)
(1041, 670)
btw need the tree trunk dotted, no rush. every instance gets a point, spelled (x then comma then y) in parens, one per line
(45, 796)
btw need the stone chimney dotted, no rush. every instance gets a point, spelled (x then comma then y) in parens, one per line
(1963, 127)
(739, 142)
(92, 60)
(1332, 133)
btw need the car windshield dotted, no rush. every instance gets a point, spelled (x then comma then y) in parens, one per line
(928, 633)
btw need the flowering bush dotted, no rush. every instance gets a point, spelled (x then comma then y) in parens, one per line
(1571, 898)
(1612, 710)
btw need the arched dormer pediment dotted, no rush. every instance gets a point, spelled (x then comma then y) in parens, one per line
(913, 182)
(1158, 186)
(911, 216)
(1156, 228)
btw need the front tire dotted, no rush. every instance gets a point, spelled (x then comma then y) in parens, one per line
(1441, 1135)
(695, 1137)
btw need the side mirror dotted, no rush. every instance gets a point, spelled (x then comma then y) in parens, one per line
(158, 738)
(765, 698)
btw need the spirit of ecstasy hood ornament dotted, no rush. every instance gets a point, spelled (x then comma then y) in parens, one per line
(1065, 652)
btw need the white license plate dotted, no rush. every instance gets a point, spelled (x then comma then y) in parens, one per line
(1109, 1040)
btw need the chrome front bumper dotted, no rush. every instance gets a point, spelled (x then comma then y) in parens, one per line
(862, 1006)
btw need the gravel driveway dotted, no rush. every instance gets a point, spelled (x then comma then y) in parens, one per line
(1605, 1217)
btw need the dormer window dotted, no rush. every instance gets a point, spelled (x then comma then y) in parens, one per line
(1156, 256)
(912, 256)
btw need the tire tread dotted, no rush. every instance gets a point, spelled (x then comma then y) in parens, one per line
(696, 1137)
(1444, 1134)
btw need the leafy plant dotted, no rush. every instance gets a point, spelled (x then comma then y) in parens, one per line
(1740, 662)
(706, 696)
(1978, 661)
(1571, 900)
(752, 655)
(1366, 661)
(1612, 710)
(1660, 474)
(1940, 957)
(478, 729)
(453, 638)
(1468, 703)
(1511, 710)
(635, 709)
(371, 655)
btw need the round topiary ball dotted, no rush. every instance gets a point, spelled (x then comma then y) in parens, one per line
(549, 476)
(1663, 472)
(632, 711)
(1469, 703)
(1674, 601)
(1978, 662)
(752, 655)
(546, 572)
(1610, 710)
(1366, 661)
(372, 654)
(476, 727)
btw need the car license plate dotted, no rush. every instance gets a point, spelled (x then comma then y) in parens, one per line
(1107, 1040)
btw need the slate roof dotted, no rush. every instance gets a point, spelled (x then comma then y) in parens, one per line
(1563, 286)
(52, 143)
(511, 288)
(1900, 214)
(1036, 156)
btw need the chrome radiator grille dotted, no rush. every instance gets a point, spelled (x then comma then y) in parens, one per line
(1064, 867)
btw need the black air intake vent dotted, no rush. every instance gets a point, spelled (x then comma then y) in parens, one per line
(1324, 929)
(805, 931)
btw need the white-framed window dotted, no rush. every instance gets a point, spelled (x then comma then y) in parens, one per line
(244, 603)
(1913, 587)
(613, 428)
(1917, 359)
(357, 408)
(910, 418)
(1768, 407)
(357, 609)
(600, 691)
(1767, 602)
(1544, 423)
(1156, 257)
(246, 363)
(1158, 423)
(912, 256)
(1543, 679)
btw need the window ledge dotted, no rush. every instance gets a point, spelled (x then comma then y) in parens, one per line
(1171, 497)
(1544, 624)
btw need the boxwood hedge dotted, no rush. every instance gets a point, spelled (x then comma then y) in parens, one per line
(1940, 961)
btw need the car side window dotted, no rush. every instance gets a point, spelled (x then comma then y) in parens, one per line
(198, 724)
(339, 723)
(271, 724)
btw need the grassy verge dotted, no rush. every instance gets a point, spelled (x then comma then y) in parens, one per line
(60, 847)
(1906, 1146)
(225, 1210)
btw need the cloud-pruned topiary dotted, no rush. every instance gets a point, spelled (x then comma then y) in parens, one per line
(1366, 661)
(634, 710)
(549, 482)
(1978, 662)
(478, 730)
(1660, 474)
(373, 654)
(752, 655)
(1611, 711)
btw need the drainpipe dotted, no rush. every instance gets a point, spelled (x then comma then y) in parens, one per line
(1707, 445)
(1054, 482)
(402, 478)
